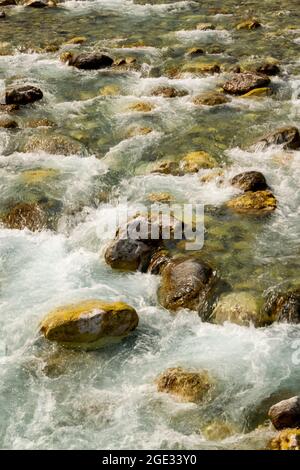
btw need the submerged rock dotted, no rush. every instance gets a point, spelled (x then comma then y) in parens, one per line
(202, 68)
(23, 95)
(166, 168)
(141, 107)
(186, 283)
(8, 123)
(288, 439)
(237, 307)
(249, 24)
(288, 137)
(218, 430)
(188, 386)
(286, 413)
(4, 3)
(268, 69)
(250, 181)
(2, 15)
(53, 144)
(90, 324)
(254, 202)
(39, 175)
(168, 92)
(194, 51)
(87, 61)
(194, 161)
(25, 215)
(8, 108)
(206, 26)
(211, 99)
(282, 307)
(77, 40)
(242, 83)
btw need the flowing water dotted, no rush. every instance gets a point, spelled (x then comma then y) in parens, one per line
(51, 398)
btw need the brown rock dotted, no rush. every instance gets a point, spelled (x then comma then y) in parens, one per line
(242, 83)
(87, 61)
(206, 26)
(24, 215)
(253, 202)
(268, 69)
(8, 123)
(168, 92)
(23, 95)
(250, 181)
(283, 307)
(286, 413)
(211, 99)
(188, 386)
(249, 24)
(288, 137)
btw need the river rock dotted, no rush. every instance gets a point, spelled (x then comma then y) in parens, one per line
(2, 15)
(195, 51)
(254, 202)
(25, 215)
(158, 261)
(87, 61)
(268, 69)
(288, 137)
(283, 307)
(195, 161)
(242, 83)
(237, 307)
(77, 40)
(168, 92)
(186, 283)
(53, 144)
(35, 3)
(205, 26)
(141, 107)
(258, 93)
(90, 324)
(288, 439)
(5, 3)
(211, 99)
(186, 385)
(23, 95)
(8, 108)
(286, 413)
(250, 181)
(8, 123)
(249, 24)
(202, 68)
(166, 168)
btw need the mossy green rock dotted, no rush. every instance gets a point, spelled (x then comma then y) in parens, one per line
(90, 324)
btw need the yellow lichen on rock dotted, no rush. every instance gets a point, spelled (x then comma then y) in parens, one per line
(257, 202)
(258, 92)
(90, 324)
(141, 107)
(188, 386)
(160, 197)
(288, 439)
(195, 161)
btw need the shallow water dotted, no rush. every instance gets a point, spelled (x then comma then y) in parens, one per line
(51, 398)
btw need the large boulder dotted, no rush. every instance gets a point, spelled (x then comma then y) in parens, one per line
(283, 306)
(23, 95)
(250, 181)
(90, 324)
(288, 137)
(242, 83)
(87, 61)
(237, 307)
(187, 283)
(288, 439)
(286, 413)
(258, 202)
(186, 385)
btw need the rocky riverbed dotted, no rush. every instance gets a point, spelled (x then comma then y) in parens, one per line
(142, 343)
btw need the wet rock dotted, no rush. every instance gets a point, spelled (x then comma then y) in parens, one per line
(186, 385)
(158, 261)
(249, 24)
(283, 307)
(35, 3)
(163, 198)
(87, 61)
(90, 324)
(186, 283)
(288, 439)
(286, 413)
(211, 99)
(39, 175)
(206, 26)
(110, 90)
(2, 15)
(24, 215)
(168, 92)
(53, 144)
(218, 430)
(288, 137)
(136, 243)
(195, 51)
(77, 40)
(8, 123)
(4, 3)
(242, 83)
(194, 161)
(8, 108)
(254, 202)
(201, 68)
(23, 95)
(141, 107)
(250, 181)
(237, 307)
(136, 131)
(258, 92)
(43, 122)
(268, 69)
(166, 168)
